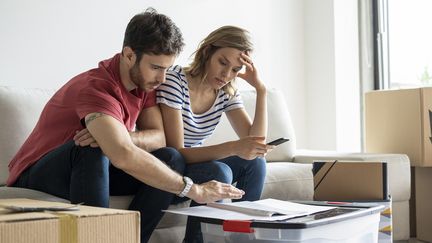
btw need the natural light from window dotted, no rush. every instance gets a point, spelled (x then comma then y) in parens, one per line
(410, 43)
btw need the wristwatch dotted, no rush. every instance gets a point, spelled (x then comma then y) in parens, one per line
(188, 185)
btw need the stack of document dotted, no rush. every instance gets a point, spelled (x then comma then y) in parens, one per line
(266, 209)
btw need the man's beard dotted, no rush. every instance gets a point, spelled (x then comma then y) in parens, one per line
(136, 76)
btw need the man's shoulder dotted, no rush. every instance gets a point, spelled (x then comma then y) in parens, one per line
(106, 75)
(92, 80)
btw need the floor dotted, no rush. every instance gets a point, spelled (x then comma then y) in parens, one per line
(409, 241)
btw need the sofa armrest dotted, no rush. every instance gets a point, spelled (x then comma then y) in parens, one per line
(398, 167)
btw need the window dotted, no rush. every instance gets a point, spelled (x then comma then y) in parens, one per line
(408, 45)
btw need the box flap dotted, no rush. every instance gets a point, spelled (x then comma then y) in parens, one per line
(6, 216)
(84, 211)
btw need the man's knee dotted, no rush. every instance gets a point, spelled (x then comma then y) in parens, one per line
(172, 158)
(90, 151)
(87, 154)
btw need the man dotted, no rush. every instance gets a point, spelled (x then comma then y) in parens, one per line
(85, 146)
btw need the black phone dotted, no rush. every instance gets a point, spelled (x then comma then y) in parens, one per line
(278, 141)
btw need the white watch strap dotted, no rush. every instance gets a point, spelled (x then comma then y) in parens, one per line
(188, 185)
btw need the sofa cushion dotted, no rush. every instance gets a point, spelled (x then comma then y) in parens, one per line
(288, 181)
(20, 109)
(279, 125)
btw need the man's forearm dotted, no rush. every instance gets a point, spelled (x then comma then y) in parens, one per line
(148, 140)
(151, 171)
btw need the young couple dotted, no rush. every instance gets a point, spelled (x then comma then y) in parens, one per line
(103, 133)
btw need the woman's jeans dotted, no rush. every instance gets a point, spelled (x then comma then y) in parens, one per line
(248, 174)
(85, 175)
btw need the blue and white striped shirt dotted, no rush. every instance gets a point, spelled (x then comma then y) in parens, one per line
(197, 127)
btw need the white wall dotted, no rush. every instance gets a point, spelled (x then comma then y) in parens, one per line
(332, 75)
(320, 74)
(45, 43)
(347, 53)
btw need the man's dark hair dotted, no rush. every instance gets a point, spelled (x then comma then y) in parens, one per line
(153, 33)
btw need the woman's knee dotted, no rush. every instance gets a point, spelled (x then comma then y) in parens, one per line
(222, 172)
(259, 163)
(172, 158)
(258, 166)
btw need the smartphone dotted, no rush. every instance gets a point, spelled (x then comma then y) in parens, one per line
(278, 141)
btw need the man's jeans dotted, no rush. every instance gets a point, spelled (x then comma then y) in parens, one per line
(248, 174)
(85, 174)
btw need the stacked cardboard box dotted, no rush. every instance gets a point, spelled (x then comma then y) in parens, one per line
(400, 121)
(85, 225)
(423, 192)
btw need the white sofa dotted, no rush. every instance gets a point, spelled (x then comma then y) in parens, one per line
(289, 175)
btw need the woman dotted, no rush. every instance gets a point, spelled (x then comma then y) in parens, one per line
(192, 101)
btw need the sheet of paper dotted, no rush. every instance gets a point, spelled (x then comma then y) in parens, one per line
(217, 213)
(286, 207)
(289, 209)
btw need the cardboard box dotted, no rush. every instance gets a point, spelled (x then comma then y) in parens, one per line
(412, 206)
(423, 177)
(345, 181)
(400, 121)
(87, 225)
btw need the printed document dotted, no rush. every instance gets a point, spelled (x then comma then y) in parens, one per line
(266, 209)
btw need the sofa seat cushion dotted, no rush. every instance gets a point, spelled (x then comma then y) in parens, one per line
(288, 181)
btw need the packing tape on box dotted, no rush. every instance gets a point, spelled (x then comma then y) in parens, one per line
(68, 228)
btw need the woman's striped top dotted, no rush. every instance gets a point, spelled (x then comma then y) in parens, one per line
(197, 127)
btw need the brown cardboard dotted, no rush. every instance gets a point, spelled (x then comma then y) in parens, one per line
(362, 183)
(87, 225)
(412, 206)
(351, 181)
(423, 177)
(398, 121)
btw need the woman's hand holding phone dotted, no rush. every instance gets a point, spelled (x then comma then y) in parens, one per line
(278, 141)
(250, 147)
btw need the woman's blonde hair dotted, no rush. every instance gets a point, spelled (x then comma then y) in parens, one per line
(226, 36)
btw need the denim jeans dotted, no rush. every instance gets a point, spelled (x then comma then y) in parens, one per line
(85, 174)
(248, 174)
